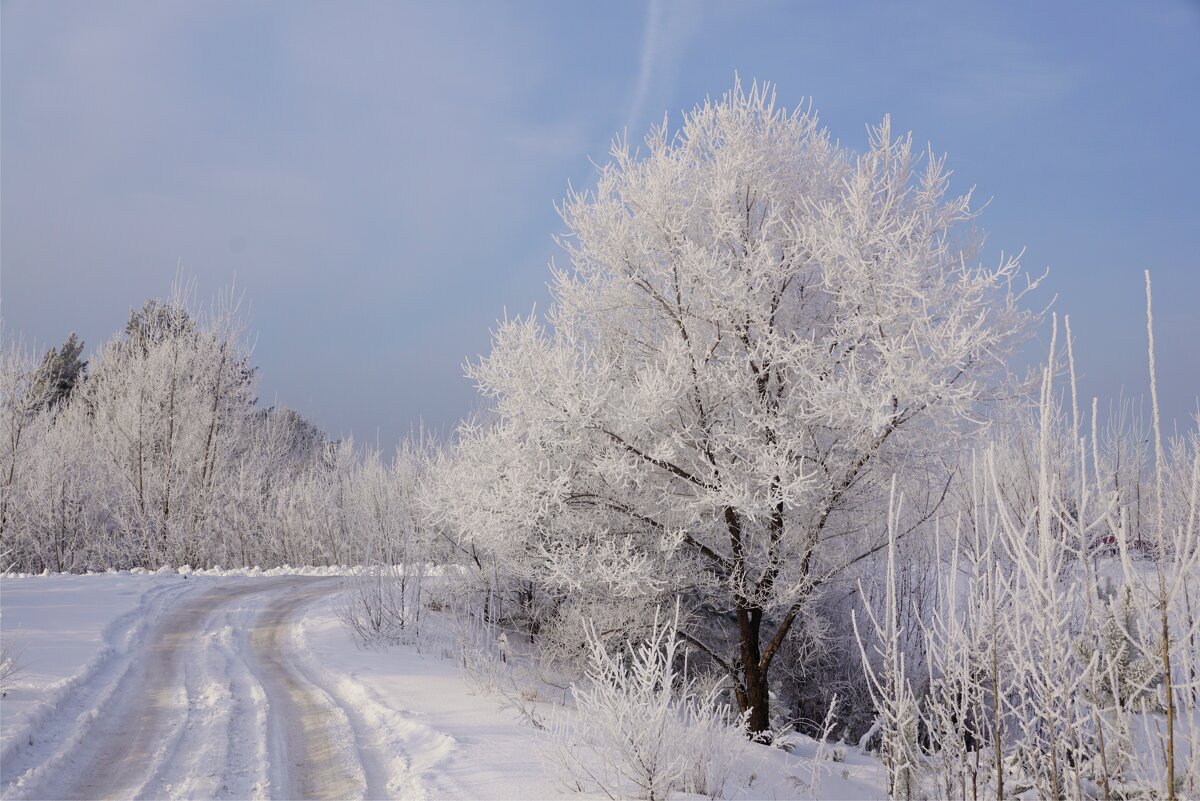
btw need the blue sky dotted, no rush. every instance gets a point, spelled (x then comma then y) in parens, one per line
(380, 177)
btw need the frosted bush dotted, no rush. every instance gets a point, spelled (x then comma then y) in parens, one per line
(716, 739)
(10, 664)
(382, 604)
(640, 728)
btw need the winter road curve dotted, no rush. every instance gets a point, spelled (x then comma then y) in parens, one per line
(215, 703)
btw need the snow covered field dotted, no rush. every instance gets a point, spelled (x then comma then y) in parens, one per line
(248, 686)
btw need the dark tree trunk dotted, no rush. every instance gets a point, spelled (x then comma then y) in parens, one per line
(756, 688)
(753, 693)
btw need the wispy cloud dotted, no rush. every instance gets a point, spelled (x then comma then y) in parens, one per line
(669, 25)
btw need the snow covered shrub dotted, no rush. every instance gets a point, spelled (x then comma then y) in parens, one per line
(1060, 657)
(640, 727)
(382, 604)
(380, 502)
(568, 637)
(482, 650)
(486, 657)
(1127, 674)
(823, 753)
(890, 682)
(627, 740)
(10, 650)
(716, 739)
(10, 663)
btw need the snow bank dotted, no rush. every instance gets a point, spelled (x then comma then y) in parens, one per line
(188, 570)
(68, 631)
(450, 742)
(447, 740)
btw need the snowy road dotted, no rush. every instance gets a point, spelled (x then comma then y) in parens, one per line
(214, 703)
(307, 726)
(239, 685)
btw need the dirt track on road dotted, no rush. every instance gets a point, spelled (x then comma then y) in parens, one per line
(176, 703)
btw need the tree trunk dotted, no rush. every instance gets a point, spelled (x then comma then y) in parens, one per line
(754, 694)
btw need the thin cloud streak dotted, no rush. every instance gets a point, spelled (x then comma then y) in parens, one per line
(664, 39)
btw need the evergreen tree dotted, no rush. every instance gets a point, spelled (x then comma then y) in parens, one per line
(60, 372)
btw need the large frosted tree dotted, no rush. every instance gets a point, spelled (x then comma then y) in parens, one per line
(170, 401)
(756, 327)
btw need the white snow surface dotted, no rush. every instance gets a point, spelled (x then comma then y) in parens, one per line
(244, 684)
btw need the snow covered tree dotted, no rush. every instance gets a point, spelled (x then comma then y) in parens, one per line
(58, 512)
(169, 402)
(160, 456)
(755, 322)
(61, 370)
(22, 395)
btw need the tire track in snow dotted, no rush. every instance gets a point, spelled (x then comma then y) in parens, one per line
(246, 774)
(125, 741)
(191, 711)
(399, 753)
(60, 730)
(220, 749)
(309, 734)
(220, 699)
